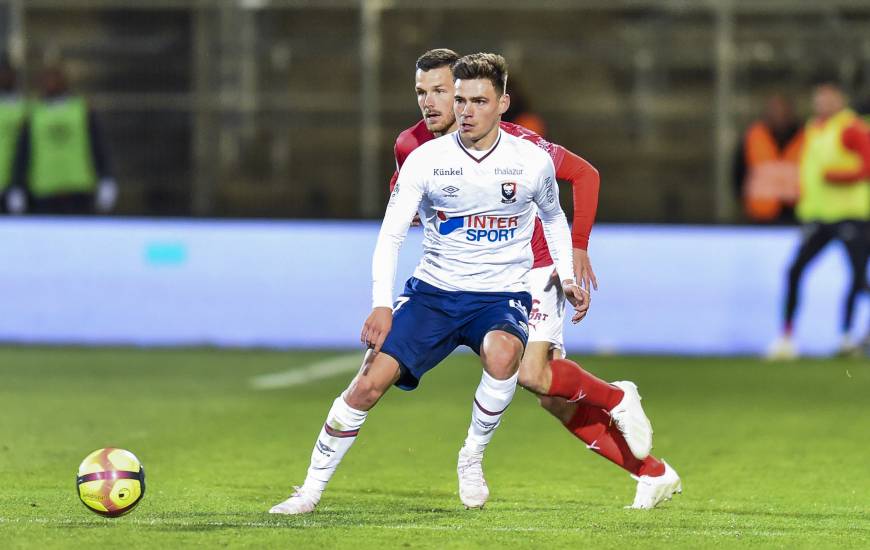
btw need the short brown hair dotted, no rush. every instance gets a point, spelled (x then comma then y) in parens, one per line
(434, 59)
(489, 66)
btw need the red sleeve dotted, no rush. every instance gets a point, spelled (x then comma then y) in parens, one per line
(585, 183)
(855, 138)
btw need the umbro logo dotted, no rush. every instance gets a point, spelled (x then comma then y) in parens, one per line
(324, 449)
(450, 191)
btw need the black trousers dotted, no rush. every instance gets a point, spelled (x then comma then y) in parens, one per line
(816, 236)
(72, 203)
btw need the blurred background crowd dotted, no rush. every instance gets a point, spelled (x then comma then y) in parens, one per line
(289, 108)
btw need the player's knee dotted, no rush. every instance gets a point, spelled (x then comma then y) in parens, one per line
(363, 394)
(502, 353)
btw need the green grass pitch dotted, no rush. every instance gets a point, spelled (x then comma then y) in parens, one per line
(771, 455)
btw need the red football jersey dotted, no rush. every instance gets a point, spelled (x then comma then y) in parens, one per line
(583, 176)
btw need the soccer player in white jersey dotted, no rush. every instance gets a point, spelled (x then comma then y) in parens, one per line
(607, 417)
(471, 286)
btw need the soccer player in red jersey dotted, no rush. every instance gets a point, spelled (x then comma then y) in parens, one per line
(607, 417)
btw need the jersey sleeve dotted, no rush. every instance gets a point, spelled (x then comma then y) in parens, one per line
(404, 200)
(585, 183)
(584, 178)
(393, 180)
(400, 159)
(855, 138)
(555, 224)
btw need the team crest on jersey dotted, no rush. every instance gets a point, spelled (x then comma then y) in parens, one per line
(509, 192)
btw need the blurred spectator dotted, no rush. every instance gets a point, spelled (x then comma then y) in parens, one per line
(520, 110)
(834, 203)
(13, 110)
(766, 164)
(60, 164)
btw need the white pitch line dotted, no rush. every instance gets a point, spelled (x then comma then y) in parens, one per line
(304, 374)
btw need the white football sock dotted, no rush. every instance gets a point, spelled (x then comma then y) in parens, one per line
(336, 436)
(490, 401)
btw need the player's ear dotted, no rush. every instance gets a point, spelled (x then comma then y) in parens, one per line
(503, 103)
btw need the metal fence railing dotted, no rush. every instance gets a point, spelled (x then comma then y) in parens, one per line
(288, 108)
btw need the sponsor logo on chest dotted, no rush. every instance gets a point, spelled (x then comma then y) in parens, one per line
(447, 171)
(450, 191)
(480, 228)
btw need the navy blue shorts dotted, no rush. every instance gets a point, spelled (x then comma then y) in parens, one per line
(429, 323)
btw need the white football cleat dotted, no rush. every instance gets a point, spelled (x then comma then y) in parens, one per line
(632, 421)
(783, 349)
(653, 490)
(473, 491)
(300, 502)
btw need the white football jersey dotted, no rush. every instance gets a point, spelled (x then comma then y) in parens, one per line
(478, 212)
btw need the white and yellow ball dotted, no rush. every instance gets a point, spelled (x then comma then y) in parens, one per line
(111, 481)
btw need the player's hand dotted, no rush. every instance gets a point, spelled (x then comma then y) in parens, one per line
(583, 270)
(376, 328)
(416, 221)
(579, 299)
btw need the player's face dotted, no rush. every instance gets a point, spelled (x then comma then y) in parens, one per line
(478, 110)
(435, 98)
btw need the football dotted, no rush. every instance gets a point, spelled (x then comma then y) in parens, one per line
(111, 481)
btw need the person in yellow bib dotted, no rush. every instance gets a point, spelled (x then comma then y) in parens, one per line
(13, 111)
(834, 204)
(60, 163)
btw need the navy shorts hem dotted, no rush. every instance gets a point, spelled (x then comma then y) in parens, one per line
(407, 381)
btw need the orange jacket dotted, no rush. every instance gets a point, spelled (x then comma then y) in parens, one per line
(772, 175)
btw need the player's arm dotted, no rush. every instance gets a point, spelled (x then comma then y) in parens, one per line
(401, 155)
(404, 201)
(394, 179)
(559, 240)
(856, 138)
(400, 158)
(585, 184)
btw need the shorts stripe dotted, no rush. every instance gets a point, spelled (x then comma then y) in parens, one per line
(339, 433)
(486, 411)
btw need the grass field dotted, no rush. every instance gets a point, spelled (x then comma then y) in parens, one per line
(770, 455)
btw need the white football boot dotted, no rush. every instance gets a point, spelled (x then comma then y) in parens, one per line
(653, 490)
(782, 349)
(473, 491)
(300, 502)
(630, 419)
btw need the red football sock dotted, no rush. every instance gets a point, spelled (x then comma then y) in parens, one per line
(592, 425)
(573, 383)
